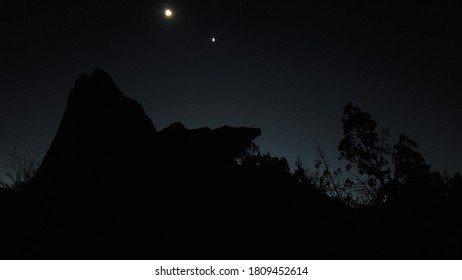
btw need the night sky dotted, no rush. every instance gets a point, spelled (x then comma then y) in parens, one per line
(287, 67)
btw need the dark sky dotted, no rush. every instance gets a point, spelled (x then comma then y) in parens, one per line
(288, 67)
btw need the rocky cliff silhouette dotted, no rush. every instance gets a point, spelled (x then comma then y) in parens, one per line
(112, 187)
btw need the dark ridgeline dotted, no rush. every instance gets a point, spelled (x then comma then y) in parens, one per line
(112, 187)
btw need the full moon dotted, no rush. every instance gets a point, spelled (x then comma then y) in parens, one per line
(168, 13)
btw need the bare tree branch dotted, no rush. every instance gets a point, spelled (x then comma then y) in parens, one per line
(20, 169)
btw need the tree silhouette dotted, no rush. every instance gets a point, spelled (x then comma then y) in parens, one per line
(410, 166)
(365, 147)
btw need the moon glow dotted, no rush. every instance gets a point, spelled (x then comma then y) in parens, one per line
(168, 13)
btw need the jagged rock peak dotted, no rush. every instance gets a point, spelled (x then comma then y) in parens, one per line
(102, 133)
(98, 86)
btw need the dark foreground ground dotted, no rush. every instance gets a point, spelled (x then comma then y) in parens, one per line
(113, 187)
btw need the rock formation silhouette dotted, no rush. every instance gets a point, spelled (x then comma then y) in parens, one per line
(94, 181)
(110, 185)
